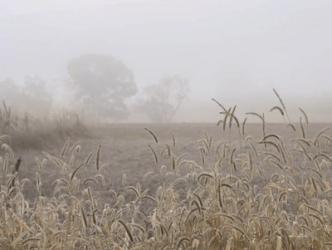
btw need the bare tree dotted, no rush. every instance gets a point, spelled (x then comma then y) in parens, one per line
(104, 84)
(161, 101)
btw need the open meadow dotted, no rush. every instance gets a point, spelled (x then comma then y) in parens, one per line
(168, 186)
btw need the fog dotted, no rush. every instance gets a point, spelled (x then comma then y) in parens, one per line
(234, 51)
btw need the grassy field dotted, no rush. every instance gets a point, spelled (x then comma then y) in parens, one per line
(125, 148)
(229, 185)
(175, 186)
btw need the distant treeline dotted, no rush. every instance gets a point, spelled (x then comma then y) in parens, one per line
(98, 86)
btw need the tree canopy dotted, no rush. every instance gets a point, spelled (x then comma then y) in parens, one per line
(104, 83)
(161, 101)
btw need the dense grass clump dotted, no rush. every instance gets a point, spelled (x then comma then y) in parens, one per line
(244, 192)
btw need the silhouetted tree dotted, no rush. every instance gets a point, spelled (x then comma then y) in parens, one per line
(104, 84)
(161, 101)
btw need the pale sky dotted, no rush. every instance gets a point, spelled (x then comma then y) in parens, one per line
(234, 50)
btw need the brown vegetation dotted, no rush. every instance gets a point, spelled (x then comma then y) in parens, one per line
(230, 190)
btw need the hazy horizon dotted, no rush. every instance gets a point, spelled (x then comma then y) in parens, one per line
(234, 51)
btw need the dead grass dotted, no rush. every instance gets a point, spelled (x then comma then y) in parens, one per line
(146, 189)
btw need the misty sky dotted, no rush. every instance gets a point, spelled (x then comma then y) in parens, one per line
(234, 50)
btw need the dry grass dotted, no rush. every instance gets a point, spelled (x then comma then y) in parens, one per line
(28, 132)
(271, 191)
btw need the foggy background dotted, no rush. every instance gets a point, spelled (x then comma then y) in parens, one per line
(234, 51)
